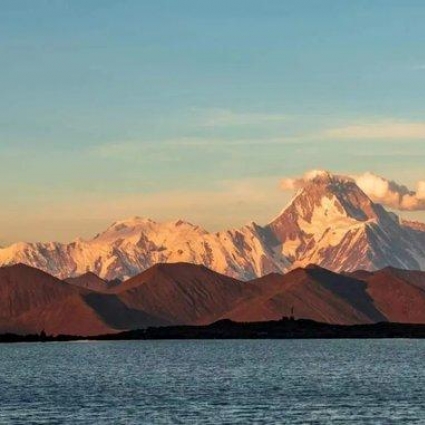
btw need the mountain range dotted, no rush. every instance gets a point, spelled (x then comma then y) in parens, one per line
(32, 301)
(330, 222)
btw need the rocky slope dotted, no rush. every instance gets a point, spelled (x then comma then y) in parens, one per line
(330, 222)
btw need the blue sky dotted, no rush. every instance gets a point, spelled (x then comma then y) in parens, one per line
(197, 109)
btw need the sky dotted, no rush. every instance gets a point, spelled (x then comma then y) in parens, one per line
(198, 109)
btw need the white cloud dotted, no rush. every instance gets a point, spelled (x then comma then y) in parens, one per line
(391, 193)
(386, 129)
(386, 192)
(299, 182)
(421, 190)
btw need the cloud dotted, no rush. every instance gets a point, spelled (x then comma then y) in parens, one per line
(144, 148)
(299, 182)
(421, 190)
(384, 191)
(387, 129)
(391, 193)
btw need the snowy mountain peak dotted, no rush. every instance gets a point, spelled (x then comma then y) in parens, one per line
(330, 222)
(347, 197)
(325, 200)
(333, 223)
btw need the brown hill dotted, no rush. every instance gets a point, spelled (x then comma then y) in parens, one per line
(312, 293)
(92, 281)
(32, 301)
(183, 293)
(414, 277)
(398, 294)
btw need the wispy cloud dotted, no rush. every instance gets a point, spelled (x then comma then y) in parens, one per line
(226, 117)
(380, 129)
(383, 129)
(130, 148)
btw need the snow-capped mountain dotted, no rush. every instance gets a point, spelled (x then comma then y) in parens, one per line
(333, 223)
(330, 222)
(130, 246)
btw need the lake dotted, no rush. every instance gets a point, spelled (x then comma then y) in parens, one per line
(214, 382)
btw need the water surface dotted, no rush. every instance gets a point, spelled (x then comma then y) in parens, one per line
(214, 382)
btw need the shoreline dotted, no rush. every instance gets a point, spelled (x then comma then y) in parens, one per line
(286, 328)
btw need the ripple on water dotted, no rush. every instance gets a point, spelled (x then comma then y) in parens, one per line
(214, 382)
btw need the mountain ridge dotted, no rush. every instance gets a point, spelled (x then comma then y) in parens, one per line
(330, 222)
